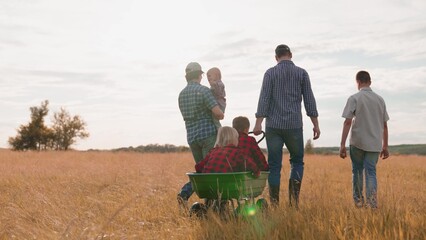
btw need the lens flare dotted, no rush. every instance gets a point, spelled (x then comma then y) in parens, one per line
(250, 210)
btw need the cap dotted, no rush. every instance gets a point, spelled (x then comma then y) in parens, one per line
(282, 48)
(193, 67)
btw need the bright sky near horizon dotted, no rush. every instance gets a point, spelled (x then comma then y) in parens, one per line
(119, 64)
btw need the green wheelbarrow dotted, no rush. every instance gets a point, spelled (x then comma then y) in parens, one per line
(221, 189)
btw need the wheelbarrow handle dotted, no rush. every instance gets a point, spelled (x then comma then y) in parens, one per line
(263, 136)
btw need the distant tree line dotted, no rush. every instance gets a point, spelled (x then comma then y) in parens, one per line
(167, 148)
(154, 148)
(61, 135)
(415, 149)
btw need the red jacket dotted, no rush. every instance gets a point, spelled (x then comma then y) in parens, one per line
(227, 159)
(249, 145)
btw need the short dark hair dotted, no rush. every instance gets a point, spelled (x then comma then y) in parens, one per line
(363, 77)
(240, 123)
(193, 75)
(282, 50)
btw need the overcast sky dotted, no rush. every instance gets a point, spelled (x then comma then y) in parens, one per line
(119, 64)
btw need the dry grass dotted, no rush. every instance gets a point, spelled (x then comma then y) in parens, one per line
(103, 195)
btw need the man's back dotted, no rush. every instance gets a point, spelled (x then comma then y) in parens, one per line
(195, 104)
(191, 100)
(284, 87)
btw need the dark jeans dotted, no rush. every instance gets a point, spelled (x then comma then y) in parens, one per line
(199, 151)
(293, 140)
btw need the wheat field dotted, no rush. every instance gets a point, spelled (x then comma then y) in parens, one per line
(106, 195)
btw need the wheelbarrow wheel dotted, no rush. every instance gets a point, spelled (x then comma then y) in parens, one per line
(198, 209)
(262, 204)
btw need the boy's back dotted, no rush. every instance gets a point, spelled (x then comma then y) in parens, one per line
(249, 145)
(369, 114)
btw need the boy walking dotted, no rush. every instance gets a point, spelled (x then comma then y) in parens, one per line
(366, 116)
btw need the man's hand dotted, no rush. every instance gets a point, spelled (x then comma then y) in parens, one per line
(257, 130)
(384, 153)
(317, 132)
(343, 152)
(258, 126)
(316, 128)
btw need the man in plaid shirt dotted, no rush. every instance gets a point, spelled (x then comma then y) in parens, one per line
(248, 143)
(198, 107)
(227, 156)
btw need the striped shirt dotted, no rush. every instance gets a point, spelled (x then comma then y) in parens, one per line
(280, 101)
(195, 103)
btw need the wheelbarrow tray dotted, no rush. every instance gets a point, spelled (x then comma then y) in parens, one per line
(224, 186)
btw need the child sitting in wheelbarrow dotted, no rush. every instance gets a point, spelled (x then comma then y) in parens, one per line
(219, 190)
(248, 143)
(226, 156)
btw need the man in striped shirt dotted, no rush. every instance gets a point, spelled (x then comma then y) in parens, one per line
(284, 86)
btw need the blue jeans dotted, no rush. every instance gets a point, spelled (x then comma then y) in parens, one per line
(363, 160)
(199, 150)
(293, 140)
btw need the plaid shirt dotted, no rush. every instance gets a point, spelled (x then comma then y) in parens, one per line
(227, 159)
(281, 95)
(195, 103)
(249, 145)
